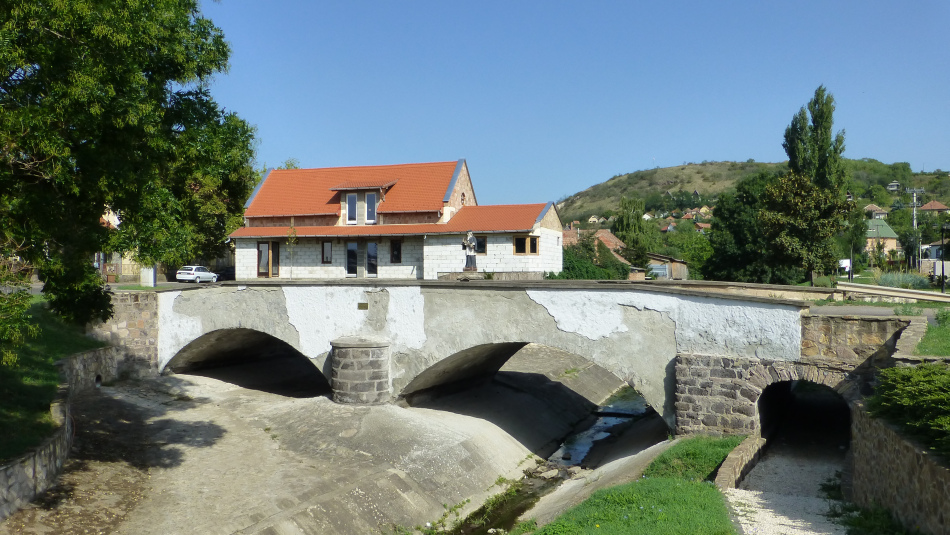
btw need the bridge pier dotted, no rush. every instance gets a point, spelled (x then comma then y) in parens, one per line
(361, 370)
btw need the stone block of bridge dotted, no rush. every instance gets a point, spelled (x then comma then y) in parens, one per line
(361, 370)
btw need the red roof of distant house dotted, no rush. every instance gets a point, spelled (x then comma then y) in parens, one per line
(419, 187)
(934, 206)
(570, 237)
(497, 218)
(704, 226)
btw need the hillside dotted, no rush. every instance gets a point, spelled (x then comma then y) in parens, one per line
(662, 187)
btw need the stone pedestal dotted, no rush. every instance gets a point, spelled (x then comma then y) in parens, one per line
(360, 370)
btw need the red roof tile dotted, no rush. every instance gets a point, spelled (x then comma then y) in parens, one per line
(934, 205)
(501, 218)
(497, 218)
(363, 184)
(418, 188)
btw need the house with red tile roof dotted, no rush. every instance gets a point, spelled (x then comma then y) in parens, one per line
(388, 221)
(935, 207)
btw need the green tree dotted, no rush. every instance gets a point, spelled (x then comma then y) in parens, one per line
(15, 321)
(105, 105)
(639, 236)
(691, 246)
(880, 196)
(853, 240)
(801, 219)
(741, 252)
(812, 150)
(805, 209)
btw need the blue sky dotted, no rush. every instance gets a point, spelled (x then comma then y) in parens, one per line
(544, 99)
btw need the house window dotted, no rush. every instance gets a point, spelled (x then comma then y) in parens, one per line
(351, 209)
(526, 245)
(268, 259)
(463, 198)
(370, 208)
(481, 244)
(372, 259)
(395, 251)
(351, 258)
(328, 252)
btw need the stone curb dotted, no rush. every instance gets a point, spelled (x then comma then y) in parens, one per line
(29, 475)
(740, 461)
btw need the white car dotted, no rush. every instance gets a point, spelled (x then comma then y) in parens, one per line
(195, 274)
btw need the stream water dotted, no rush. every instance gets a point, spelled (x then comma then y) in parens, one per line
(623, 407)
(617, 415)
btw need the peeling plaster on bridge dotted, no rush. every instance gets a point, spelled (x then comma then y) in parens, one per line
(634, 332)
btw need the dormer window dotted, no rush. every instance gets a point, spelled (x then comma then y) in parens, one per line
(351, 209)
(370, 208)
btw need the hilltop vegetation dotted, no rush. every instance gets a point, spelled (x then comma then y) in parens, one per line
(672, 187)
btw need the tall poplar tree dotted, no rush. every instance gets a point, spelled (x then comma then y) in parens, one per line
(804, 210)
(812, 150)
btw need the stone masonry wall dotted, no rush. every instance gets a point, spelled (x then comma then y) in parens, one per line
(850, 341)
(719, 396)
(134, 328)
(81, 370)
(898, 475)
(24, 478)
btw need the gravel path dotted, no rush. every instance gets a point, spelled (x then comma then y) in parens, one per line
(782, 495)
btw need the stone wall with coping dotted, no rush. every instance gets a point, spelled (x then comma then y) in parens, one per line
(739, 462)
(86, 370)
(27, 476)
(898, 474)
(133, 327)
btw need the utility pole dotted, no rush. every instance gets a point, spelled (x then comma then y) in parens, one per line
(915, 192)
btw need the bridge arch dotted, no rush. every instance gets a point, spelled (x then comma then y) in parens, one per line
(538, 394)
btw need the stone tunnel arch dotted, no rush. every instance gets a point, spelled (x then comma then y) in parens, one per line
(251, 359)
(721, 395)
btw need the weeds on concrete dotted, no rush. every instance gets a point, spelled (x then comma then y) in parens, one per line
(907, 309)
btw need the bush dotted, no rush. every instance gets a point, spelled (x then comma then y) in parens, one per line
(917, 399)
(943, 317)
(910, 281)
(823, 282)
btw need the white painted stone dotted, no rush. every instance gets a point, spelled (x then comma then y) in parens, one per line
(175, 330)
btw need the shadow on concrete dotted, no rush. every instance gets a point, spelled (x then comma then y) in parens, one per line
(537, 411)
(128, 434)
(289, 374)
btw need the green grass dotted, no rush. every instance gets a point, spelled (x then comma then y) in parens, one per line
(936, 341)
(694, 459)
(27, 389)
(647, 507)
(674, 497)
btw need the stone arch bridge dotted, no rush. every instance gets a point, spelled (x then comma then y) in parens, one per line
(700, 358)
